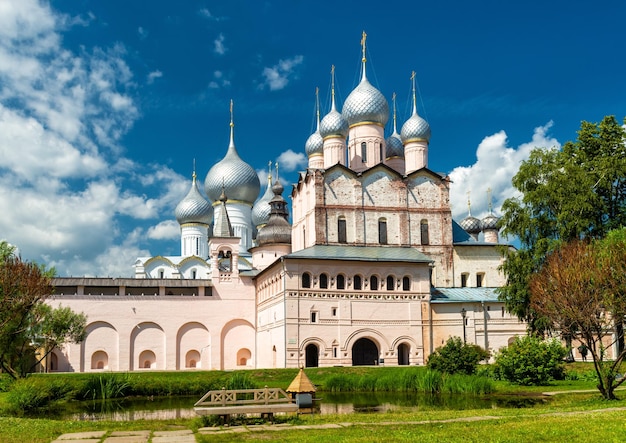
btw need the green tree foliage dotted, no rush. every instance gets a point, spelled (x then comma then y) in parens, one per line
(576, 192)
(581, 291)
(530, 360)
(30, 329)
(457, 357)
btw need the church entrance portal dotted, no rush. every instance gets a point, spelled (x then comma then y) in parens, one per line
(312, 356)
(403, 354)
(364, 352)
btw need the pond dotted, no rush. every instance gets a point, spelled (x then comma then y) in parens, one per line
(163, 408)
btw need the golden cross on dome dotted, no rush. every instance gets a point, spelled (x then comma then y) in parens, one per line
(231, 113)
(363, 38)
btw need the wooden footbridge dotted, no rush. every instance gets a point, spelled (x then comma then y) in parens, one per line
(266, 402)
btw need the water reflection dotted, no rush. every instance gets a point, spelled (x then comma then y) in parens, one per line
(330, 403)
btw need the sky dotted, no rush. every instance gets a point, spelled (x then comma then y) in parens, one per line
(105, 105)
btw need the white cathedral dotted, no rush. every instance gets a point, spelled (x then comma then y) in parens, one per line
(372, 270)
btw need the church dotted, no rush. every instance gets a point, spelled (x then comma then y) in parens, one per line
(369, 268)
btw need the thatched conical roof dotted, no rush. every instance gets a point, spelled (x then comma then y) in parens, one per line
(301, 384)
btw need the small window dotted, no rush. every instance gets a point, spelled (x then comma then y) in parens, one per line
(324, 281)
(357, 282)
(502, 312)
(390, 283)
(194, 274)
(406, 284)
(464, 277)
(424, 232)
(380, 151)
(341, 282)
(313, 317)
(333, 311)
(335, 352)
(479, 280)
(161, 273)
(382, 231)
(341, 230)
(306, 280)
(373, 283)
(363, 152)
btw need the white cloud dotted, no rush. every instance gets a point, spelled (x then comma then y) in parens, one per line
(204, 12)
(153, 76)
(66, 192)
(143, 33)
(291, 161)
(277, 77)
(495, 166)
(218, 43)
(166, 230)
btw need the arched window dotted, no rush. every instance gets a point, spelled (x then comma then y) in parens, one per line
(194, 274)
(390, 283)
(380, 151)
(161, 273)
(341, 230)
(341, 282)
(406, 283)
(382, 231)
(357, 282)
(324, 281)
(373, 283)
(424, 231)
(306, 280)
(363, 152)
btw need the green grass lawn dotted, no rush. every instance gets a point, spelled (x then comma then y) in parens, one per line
(566, 417)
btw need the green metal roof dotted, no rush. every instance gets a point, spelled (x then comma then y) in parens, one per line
(447, 295)
(362, 253)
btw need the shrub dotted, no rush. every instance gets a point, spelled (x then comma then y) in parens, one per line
(26, 395)
(531, 361)
(107, 386)
(457, 357)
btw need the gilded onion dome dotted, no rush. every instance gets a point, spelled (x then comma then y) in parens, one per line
(239, 180)
(395, 148)
(194, 208)
(366, 104)
(261, 209)
(333, 124)
(277, 229)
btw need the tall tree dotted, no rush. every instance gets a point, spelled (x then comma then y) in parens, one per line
(26, 323)
(576, 192)
(580, 291)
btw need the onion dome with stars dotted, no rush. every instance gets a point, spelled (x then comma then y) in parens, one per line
(395, 148)
(239, 180)
(333, 124)
(194, 208)
(365, 104)
(277, 229)
(415, 128)
(261, 209)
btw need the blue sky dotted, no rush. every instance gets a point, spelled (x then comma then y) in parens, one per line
(104, 105)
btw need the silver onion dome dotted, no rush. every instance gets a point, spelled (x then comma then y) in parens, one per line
(261, 209)
(194, 208)
(232, 175)
(472, 225)
(333, 124)
(314, 144)
(395, 148)
(490, 222)
(415, 128)
(366, 104)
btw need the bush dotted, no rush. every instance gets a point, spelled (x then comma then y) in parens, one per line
(531, 361)
(457, 357)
